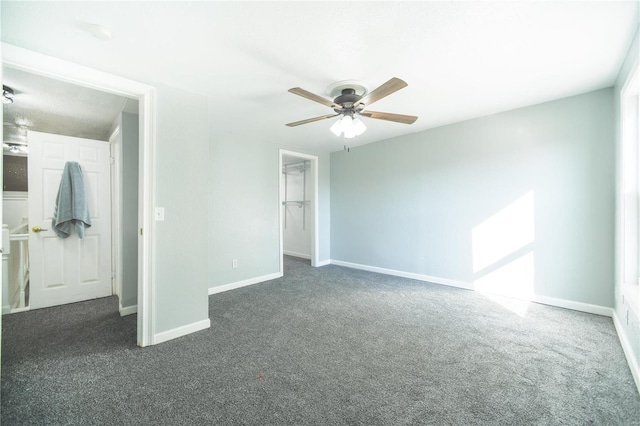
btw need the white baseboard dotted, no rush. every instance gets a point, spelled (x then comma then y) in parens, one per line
(294, 254)
(628, 350)
(323, 263)
(561, 303)
(129, 310)
(413, 276)
(181, 331)
(6, 309)
(18, 310)
(575, 306)
(243, 283)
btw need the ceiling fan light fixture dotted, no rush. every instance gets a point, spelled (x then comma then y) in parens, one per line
(336, 128)
(349, 134)
(15, 148)
(358, 126)
(7, 94)
(349, 126)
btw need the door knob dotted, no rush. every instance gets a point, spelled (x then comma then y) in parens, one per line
(38, 229)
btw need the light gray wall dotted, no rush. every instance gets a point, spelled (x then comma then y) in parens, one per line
(130, 146)
(244, 218)
(412, 203)
(181, 249)
(631, 328)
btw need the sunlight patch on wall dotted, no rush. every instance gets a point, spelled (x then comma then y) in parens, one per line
(503, 233)
(503, 258)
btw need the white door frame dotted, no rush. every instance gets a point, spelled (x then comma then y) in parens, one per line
(115, 148)
(315, 251)
(58, 69)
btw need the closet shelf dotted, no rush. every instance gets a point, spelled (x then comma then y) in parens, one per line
(302, 167)
(296, 203)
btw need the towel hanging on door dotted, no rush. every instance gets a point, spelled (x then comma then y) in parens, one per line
(72, 207)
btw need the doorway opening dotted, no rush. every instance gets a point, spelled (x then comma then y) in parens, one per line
(38, 64)
(298, 206)
(49, 123)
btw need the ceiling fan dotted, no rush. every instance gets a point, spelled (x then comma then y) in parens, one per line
(350, 105)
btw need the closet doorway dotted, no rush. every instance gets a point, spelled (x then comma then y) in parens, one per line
(298, 206)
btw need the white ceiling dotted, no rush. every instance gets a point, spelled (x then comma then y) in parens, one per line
(46, 105)
(460, 59)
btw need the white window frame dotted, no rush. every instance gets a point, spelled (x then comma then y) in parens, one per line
(629, 191)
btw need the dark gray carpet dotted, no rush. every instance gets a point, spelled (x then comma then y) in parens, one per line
(325, 346)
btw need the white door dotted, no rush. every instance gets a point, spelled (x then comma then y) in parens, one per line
(68, 270)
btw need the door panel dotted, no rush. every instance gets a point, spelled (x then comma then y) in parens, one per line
(50, 183)
(90, 259)
(53, 261)
(68, 270)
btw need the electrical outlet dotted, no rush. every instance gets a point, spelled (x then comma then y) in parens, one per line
(234, 263)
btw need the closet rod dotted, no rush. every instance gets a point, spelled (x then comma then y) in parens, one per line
(299, 167)
(297, 163)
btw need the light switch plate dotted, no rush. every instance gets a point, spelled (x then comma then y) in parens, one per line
(159, 213)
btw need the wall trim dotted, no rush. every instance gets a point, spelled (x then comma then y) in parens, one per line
(627, 349)
(551, 301)
(115, 151)
(174, 333)
(294, 254)
(403, 274)
(324, 263)
(15, 195)
(574, 306)
(128, 310)
(244, 283)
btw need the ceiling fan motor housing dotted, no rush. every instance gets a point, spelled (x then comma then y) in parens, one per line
(347, 98)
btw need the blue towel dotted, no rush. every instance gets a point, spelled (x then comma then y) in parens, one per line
(71, 203)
